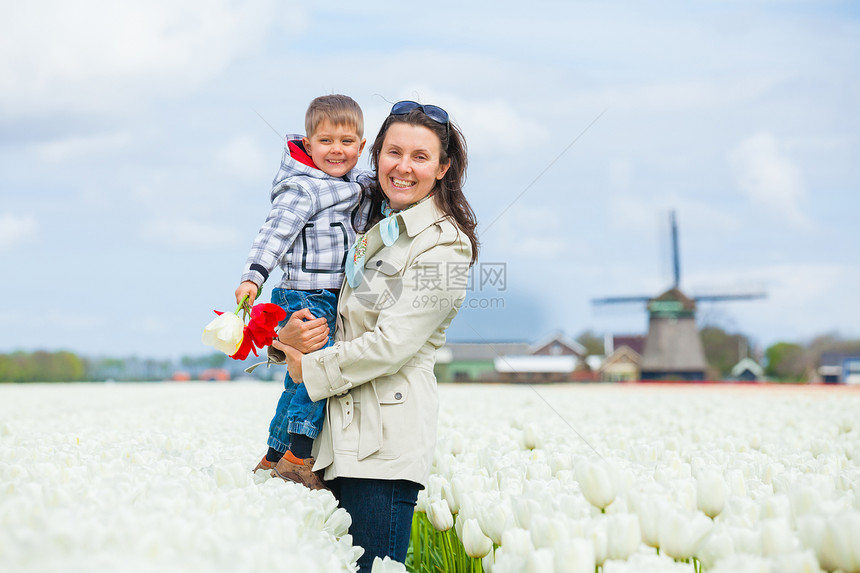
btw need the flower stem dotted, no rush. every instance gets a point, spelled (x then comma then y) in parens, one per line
(241, 305)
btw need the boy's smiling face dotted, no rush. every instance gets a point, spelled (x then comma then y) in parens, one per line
(335, 149)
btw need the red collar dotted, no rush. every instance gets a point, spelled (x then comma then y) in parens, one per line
(297, 152)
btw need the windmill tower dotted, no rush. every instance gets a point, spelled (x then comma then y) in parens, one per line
(673, 348)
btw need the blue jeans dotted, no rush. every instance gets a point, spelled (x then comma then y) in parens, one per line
(381, 512)
(296, 413)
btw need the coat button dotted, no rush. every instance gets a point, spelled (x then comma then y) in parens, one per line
(379, 263)
(398, 396)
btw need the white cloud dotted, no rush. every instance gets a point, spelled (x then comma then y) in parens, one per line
(769, 178)
(495, 126)
(95, 57)
(245, 158)
(82, 146)
(648, 215)
(677, 96)
(16, 230)
(186, 233)
(491, 125)
(525, 230)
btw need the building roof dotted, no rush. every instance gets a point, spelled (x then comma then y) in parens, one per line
(747, 364)
(556, 344)
(536, 363)
(837, 358)
(622, 354)
(484, 351)
(672, 304)
(634, 342)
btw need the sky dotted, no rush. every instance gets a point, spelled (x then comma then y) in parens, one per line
(138, 142)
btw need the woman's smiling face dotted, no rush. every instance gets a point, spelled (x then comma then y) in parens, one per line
(409, 164)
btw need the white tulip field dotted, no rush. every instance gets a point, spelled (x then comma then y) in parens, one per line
(555, 478)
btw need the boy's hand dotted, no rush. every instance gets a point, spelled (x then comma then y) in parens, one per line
(249, 288)
(304, 332)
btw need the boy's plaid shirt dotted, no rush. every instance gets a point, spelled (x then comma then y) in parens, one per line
(309, 229)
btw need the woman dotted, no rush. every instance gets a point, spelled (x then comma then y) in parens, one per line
(406, 278)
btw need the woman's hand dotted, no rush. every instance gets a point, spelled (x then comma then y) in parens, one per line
(294, 360)
(304, 332)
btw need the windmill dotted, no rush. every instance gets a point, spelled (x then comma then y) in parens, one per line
(673, 348)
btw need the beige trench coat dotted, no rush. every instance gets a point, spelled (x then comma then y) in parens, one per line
(378, 376)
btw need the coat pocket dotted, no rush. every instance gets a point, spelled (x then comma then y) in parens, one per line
(401, 416)
(392, 391)
(383, 282)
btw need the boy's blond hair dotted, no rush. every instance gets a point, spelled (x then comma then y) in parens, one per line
(336, 108)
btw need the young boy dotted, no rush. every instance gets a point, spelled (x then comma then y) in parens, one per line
(315, 198)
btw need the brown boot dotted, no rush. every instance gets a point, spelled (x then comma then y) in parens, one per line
(302, 473)
(265, 465)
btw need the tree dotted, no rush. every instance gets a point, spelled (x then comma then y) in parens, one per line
(787, 361)
(723, 350)
(592, 342)
(41, 366)
(832, 342)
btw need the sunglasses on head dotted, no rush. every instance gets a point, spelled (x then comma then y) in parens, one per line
(435, 113)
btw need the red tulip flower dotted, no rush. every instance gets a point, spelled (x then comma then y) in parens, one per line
(260, 330)
(258, 333)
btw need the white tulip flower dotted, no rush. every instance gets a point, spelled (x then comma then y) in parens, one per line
(798, 562)
(456, 443)
(435, 485)
(623, 535)
(776, 537)
(683, 494)
(540, 561)
(746, 540)
(531, 440)
(450, 498)
(715, 546)
(488, 562)
(423, 501)
(711, 493)
(338, 523)
(560, 461)
(476, 544)
(812, 529)
(681, 533)
(494, 515)
(539, 471)
(776, 505)
(508, 562)
(467, 511)
(387, 565)
(736, 482)
(224, 333)
(546, 530)
(574, 555)
(463, 486)
(837, 545)
(596, 484)
(517, 541)
(743, 564)
(524, 508)
(649, 508)
(440, 515)
(598, 536)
